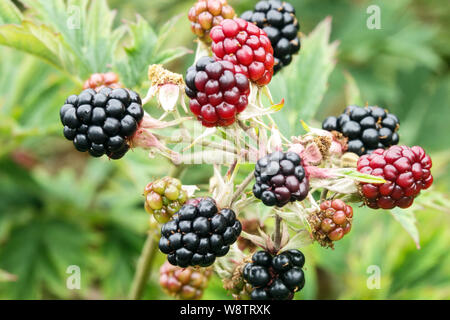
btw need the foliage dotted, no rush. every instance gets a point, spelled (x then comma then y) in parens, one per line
(58, 208)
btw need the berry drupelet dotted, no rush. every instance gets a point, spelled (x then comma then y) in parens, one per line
(198, 233)
(280, 179)
(206, 14)
(275, 277)
(246, 46)
(406, 171)
(184, 283)
(163, 198)
(333, 221)
(217, 93)
(367, 128)
(278, 21)
(102, 122)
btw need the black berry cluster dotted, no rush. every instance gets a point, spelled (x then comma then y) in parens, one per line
(101, 122)
(275, 278)
(367, 128)
(278, 20)
(280, 178)
(199, 233)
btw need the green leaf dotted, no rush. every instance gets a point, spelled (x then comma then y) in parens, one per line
(408, 221)
(144, 51)
(37, 40)
(87, 30)
(39, 254)
(304, 82)
(358, 176)
(9, 13)
(352, 94)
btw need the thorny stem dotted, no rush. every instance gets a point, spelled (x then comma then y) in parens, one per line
(144, 266)
(241, 187)
(277, 232)
(323, 195)
(148, 253)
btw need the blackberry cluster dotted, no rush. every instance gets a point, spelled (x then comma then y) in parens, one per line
(184, 283)
(101, 122)
(275, 278)
(163, 198)
(280, 178)
(406, 171)
(332, 222)
(246, 46)
(278, 20)
(100, 80)
(206, 14)
(199, 233)
(367, 128)
(217, 94)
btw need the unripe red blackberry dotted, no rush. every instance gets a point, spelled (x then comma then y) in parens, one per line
(217, 93)
(163, 198)
(246, 46)
(280, 179)
(276, 277)
(406, 171)
(102, 122)
(184, 283)
(100, 80)
(278, 21)
(332, 222)
(367, 128)
(206, 14)
(198, 233)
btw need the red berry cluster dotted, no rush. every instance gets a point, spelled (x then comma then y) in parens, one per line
(184, 283)
(406, 171)
(246, 46)
(100, 80)
(332, 222)
(217, 94)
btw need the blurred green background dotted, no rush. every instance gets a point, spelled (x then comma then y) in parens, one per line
(59, 207)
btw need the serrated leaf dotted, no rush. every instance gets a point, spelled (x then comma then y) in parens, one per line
(9, 13)
(408, 221)
(304, 82)
(37, 40)
(143, 51)
(86, 28)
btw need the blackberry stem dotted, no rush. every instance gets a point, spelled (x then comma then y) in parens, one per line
(148, 252)
(277, 232)
(144, 266)
(323, 195)
(242, 187)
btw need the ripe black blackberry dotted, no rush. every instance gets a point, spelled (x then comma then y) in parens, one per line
(367, 128)
(275, 278)
(101, 122)
(280, 178)
(199, 233)
(278, 20)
